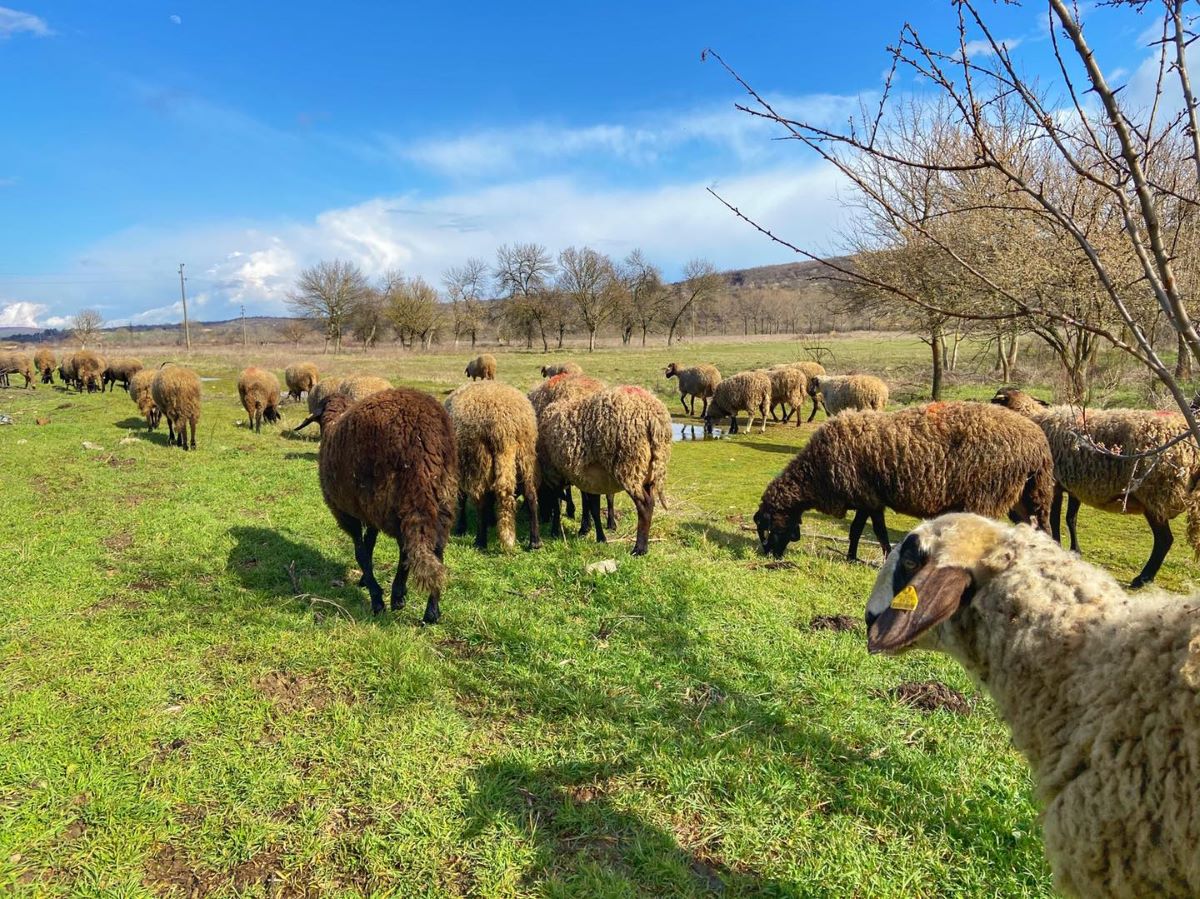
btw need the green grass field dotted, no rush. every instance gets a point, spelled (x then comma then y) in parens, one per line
(196, 700)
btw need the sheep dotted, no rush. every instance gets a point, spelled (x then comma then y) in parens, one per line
(43, 362)
(321, 390)
(789, 387)
(89, 371)
(66, 370)
(810, 370)
(1160, 488)
(176, 393)
(301, 377)
(836, 394)
(749, 390)
(482, 366)
(141, 391)
(120, 369)
(496, 432)
(389, 463)
(616, 439)
(1099, 690)
(698, 381)
(558, 387)
(359, 387)
(920, 461)
(16, 364)
(259, 392)
(561, 368)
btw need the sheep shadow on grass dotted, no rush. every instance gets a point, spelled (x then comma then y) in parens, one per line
(782, 448)
(158, 435)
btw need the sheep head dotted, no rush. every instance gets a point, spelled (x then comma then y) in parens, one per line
(814, 386)
(1018, 400)
(927, 580)
(330, 409)
(672, 370)
(778, 517)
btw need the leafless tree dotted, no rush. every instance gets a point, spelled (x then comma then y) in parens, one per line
(523, 273)
(414, 311)
(465, 285)
(369, 319)
(86, 326)
(327, 294)
(700, 284)
(585, 279)
(295, 330)
(647, 293)
(1138, 156)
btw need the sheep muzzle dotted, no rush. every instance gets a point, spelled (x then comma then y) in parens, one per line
(935, 593)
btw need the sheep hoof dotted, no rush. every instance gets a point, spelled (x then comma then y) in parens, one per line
(535, 544)
(1138, 583)
(398, 603)
(638, 551)
(376, 606)
(481, 544)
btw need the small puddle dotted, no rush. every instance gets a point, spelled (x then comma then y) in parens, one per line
(210, 379)
(693, 432)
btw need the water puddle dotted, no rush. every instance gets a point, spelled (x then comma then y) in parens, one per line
(693, 432)
(210, 379)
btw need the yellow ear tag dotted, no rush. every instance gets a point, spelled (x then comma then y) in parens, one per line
(906, 599)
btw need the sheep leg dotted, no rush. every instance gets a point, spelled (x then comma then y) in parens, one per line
(763, 412)
(594, 499)
(1072, 514)
(856, 529)
(813, 414)
(369, 540)
(775, 417)
(556, 528)
(612, 512)
(460, 524)
(703, 407)
(1163, 538)
(433, 609)
(364, 553)
(1056, 514)
(644, 503)
(733, 429)
(881, 532)
(192, 424)
(683, 402)
(531, 509)
(486, 508)
(400, 582)
(569, 500)
(585, 513)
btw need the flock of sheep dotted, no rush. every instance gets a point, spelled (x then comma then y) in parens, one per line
(1101, 689)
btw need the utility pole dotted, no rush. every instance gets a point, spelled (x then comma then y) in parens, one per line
(187, 332)
(243, 327)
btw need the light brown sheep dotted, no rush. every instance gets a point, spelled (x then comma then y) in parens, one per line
(698, 381)
(141, 391)
(1160, 488)
(921, 461)
(89, 371)
(322, 389)
(43, 362)
(747, 390)
(16, 364)
(482, 367)
(359, 387)
(617, 439)
(301, 377)
(839, 393)
(259, 392)
(176, 392)
(496, 432)
(561, 368)
(789, 388)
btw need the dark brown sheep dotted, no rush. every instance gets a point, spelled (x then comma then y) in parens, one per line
(259, 392)
(921, 461)
(389, 463)
(176, 393)
(43, 361)
(121, 369)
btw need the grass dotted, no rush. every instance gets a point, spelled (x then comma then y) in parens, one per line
(198, 702)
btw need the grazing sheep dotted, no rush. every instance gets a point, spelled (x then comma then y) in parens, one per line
(559, 387)
(43, 362)
(388, 463)
(920, 461)
(66, 371)
(617, 439)
(301, 377)
(321, 390)
(359, 387)
(176, 393)
(1160, 488)
(789, 387)
(561, 368)
(1100, 690)
(89, 371)
(810, 370)
(120, 369)
(837, 394)
(496, 431)
(748, 390)
(259, 392)
(698, 381)
(16, 364)
(141, 391)
(483, 367)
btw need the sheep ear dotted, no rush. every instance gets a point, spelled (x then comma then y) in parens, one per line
(933, 595)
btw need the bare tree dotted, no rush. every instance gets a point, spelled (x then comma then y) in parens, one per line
(585, 278)
(465, 285)
(523, 272)
(295, 330)
(86, 326)
(327, 294)
(368, 319)
(647, 294)
(414, 311)
(700, 284)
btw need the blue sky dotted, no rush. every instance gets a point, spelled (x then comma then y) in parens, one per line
(251, 139)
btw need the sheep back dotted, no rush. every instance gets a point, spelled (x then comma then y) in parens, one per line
(561, 387)
(561, 368)
(359, 387)
(483, 367)
(699, 380)
(176, 392)
(301, 377)
(857, 392)
(17, 364)
(746, 391)
(321, 390)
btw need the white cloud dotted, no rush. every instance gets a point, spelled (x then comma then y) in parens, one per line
(982, 48)
(21, 315)
(13, 21)
(56, 321)
(176, 20)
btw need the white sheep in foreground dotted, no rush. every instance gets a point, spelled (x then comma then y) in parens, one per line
(1101, 691)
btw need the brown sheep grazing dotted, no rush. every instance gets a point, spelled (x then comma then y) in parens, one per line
(482, 367)
(16, 364)
(359, 387)
(301, 377)
(1160, 489)
(748, 390)
(698, 381)
(259, 392)
(561, 368)
(141, 391)
(176, 393)
(921, 461)
(66, 370)
(120, 369)
(321, 390)
(389, 463)
(617, 439)
(89, 371)
(496, 432)
(43, 363)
